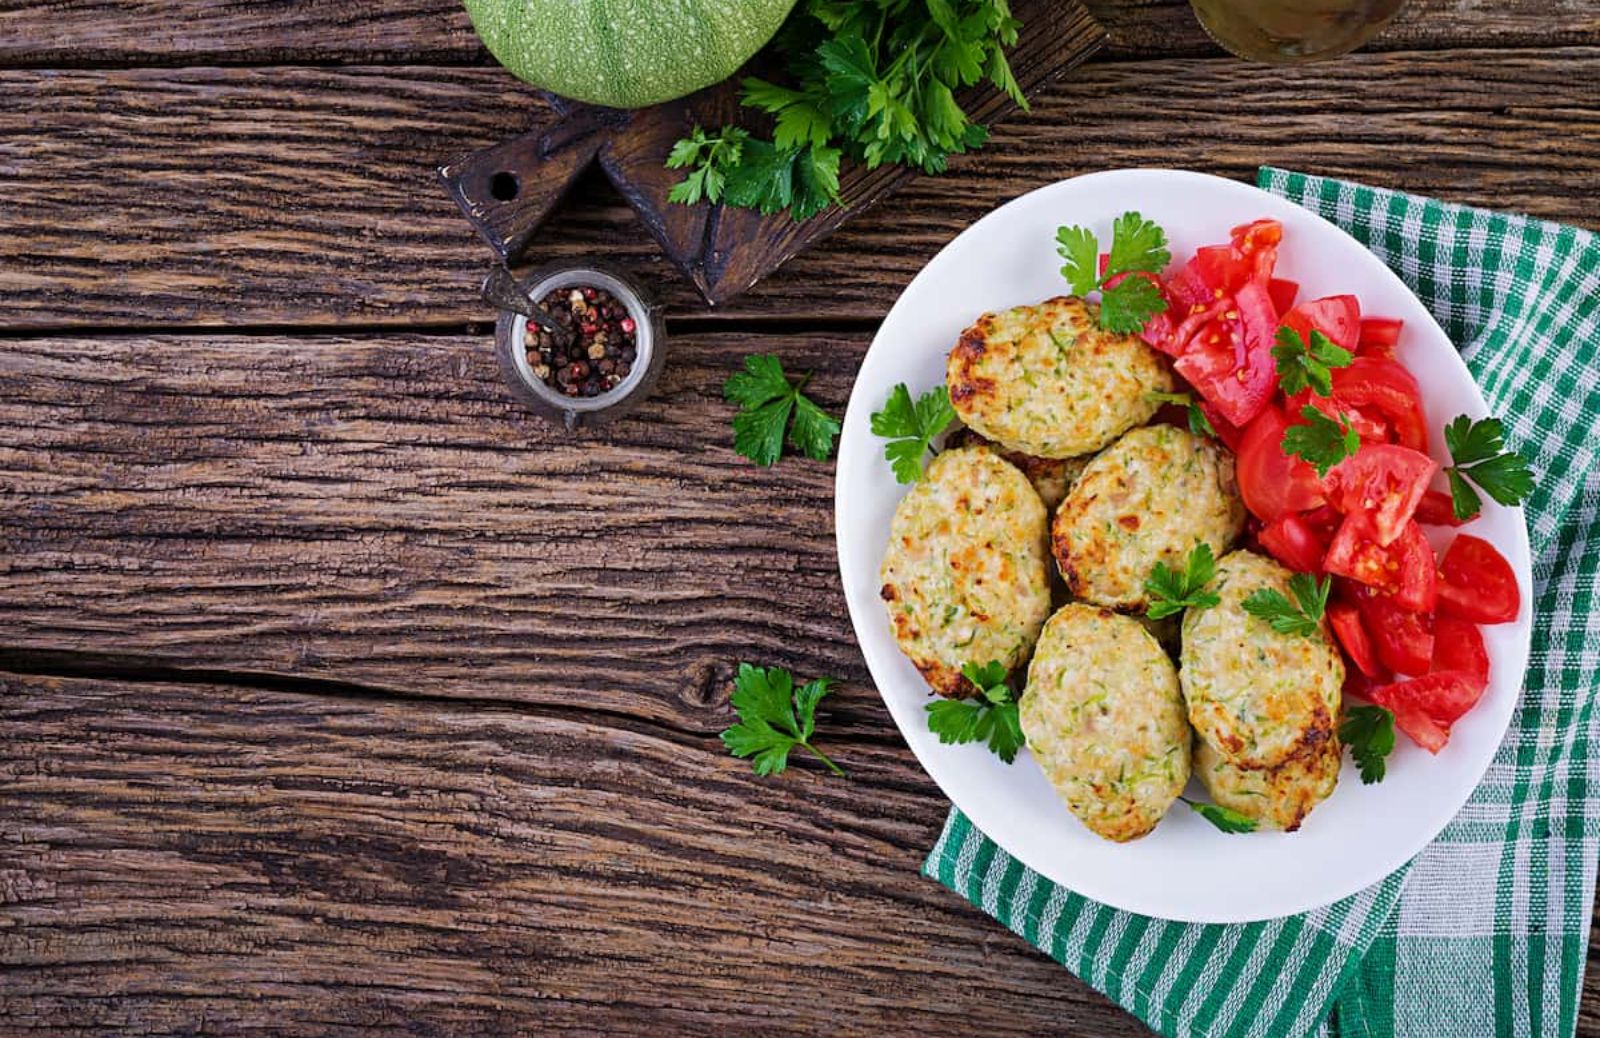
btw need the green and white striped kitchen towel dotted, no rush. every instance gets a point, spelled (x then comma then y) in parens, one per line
(1485, 931)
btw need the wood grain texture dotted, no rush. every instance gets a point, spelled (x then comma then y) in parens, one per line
(206, 32)
(306, 196)
(185, 859)
(380, 511)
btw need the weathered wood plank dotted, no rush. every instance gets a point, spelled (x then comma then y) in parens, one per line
(187, 859)
(438, 31)
(380, 511)
(300, 196)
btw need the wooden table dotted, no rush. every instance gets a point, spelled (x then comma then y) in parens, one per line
(340, 696)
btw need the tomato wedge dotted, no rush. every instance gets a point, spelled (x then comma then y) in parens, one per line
(1229, 359)
(1421, 728)
(1345, 619)
(1337, 317)
(1231, 435)
(1436, 509)
(1383, 480)
(1403, 570)
(1403, 638)
(1477, 583)
(1292, 541)
(1379, 335)
(1444, 696)
(1383, 388)
(1283, 293)
(1271, 481)
(1458, 646)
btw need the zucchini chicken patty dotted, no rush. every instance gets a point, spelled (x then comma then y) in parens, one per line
(966, 576)
(1104, 718)
(1048, 381)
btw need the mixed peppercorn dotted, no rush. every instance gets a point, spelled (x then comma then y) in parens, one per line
(601, 351)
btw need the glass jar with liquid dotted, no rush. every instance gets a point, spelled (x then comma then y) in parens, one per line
(1293, 31)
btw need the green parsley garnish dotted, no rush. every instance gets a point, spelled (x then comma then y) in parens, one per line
(992, 717)
(1199, 424)
(1369, 732)
(1224, 818)
(1323, 442)
(911, 427)
(1301, 365)
(1303, 616)
(774, 717)
(712, 157)
(872, 81)
(1478, 450)
(1138, 246)
(1172, 592)
(767, 400)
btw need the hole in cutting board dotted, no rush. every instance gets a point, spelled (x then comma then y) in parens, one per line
(504, 186)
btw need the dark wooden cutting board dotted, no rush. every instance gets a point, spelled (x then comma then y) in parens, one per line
(507, 190)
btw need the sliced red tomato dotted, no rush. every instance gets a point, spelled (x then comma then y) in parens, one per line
(1381, 334)
(1385, 481)
(1257, 243)
(1383, 388)
(1229, 359)
(1436, 509)
(1283, 293)
(1292, 541)
(1444, 697)
(1324, 520)
(1458, 646)
(1337, 317)
(1403, 638)
(1271, 481)
(1476, 582)
(1352, 634)
(1403, 570)
(1421, 728)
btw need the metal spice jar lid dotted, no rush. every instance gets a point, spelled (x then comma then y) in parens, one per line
(611, 317)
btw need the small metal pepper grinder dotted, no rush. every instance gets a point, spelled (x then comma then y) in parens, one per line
(518, 301)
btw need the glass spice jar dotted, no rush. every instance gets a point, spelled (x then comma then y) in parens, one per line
(609, 364)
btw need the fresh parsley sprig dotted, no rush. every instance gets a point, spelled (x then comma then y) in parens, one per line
(1323, 442)
(991, 718)
(1199, 424)
(872, 81)
(1172, 592)
(712, 156)
(911, 428)
(1224, 818)
(1302, 364)
(1369, 732)
(1302, 616)
(1138, 247)
(1479, 452)
(767, 401)
(775, 716)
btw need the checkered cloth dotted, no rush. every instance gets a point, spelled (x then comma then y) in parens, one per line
(1485, 931)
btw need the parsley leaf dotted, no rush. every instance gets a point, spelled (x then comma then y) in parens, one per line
(1172, 592)
(1224, 818)
(774, 717)
(1323, 442)
(1369, 732)
(1199, 424)
(767, 401)
(1478, 450)
(712, 158)
(1303, 616)
(911, 427)
(991, 718)
(1301, 365)
(1128, 298)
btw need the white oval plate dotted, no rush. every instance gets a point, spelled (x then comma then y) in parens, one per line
(1185, 870)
